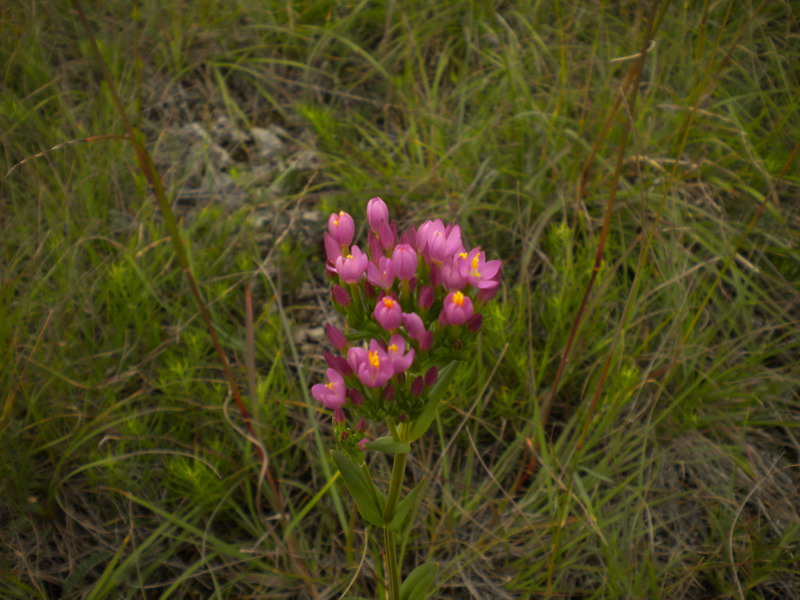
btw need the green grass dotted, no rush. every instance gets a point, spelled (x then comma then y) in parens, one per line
(124, 469)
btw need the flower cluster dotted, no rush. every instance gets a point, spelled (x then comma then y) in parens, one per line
(409, 301)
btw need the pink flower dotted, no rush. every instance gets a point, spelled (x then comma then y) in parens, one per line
(451, 277)
(331, 394)
(377, 213)
(388, 313)
(457, 309)
(421, 244)
(362, 444)
(341, 228)
(404, 260)
(487, 293)
(441, 242)
(373, 367)
(335, 337)
(400, 362)
(477, 271)
(351, 267)
(340, 295)
(381, 274)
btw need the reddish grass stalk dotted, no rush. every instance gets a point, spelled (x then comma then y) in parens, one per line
(631, 82)
(635, 78)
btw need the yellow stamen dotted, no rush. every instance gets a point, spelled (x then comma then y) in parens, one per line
(392, 347)
(336, 222)
(349, 257)
(329, 385)
(374, 360)
(388, 302)
(458, 299)
(462, 255)
(476, 261)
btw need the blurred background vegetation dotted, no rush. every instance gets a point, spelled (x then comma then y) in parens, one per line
(664, 462)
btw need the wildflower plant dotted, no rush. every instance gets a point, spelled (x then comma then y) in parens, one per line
(412, 303)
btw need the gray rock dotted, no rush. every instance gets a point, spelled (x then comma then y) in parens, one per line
(311, 216)
(227, 134)
(316, 334)
(299, 335)
(307, 160)
(268, 143)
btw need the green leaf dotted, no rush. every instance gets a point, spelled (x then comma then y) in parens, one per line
(367, 498)
(402, 508)
(388, 445)
(419, 583)
(424, 420)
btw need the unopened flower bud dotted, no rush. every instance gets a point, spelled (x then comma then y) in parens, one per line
(340, 295)
(474, 322)
(425, 299)
(338, 415)
(332, 249)
(431, 375)
(404, 261)
(362, 425)
(337, 363)
(356, 397)
(377, 213)
(362, 444)
(388, 393)
(387, 235)
(336, 337)
(375, 248)
(426, 341)
(409, 236)
(417, 385)
(435, 275)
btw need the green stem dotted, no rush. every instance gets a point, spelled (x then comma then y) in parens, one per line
(398, 471)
